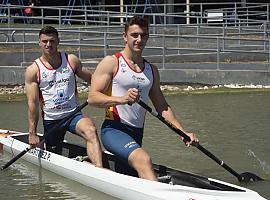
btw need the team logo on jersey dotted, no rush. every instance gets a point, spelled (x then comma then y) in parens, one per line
(134, 77)
(59, 83)
(61, 98)
(65, 70)
(138, 79)
(44, 75)
(60, 93)
(123, 70)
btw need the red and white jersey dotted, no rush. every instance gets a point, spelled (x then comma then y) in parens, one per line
(57, 89)
(124, 78)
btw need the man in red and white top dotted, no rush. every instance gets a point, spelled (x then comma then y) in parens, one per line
(51, 83)
(120, 80)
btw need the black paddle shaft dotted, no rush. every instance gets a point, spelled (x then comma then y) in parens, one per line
(241, 177)
(66, 119)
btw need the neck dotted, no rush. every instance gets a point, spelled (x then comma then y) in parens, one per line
(136, 57)
(53, 60)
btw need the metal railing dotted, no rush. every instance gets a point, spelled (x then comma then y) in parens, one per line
(161, 48)
(97, 31)
(230, 14)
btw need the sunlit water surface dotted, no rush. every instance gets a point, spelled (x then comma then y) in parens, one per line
(234, 127)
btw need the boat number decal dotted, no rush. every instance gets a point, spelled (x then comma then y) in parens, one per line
(40, 154)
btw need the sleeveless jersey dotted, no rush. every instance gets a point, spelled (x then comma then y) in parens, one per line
(57, 89)
(124, 78)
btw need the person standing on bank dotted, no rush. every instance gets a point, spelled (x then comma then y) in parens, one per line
(51, 80)
(120, 80)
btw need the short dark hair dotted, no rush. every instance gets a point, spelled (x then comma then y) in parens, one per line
(48, 30)
(142, 21)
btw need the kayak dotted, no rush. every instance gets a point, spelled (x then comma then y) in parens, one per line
(120, 181)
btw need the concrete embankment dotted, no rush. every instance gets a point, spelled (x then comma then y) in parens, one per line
(13, 75)
(194, 88)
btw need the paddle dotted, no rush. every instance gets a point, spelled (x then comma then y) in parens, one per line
(66, 119)
(244, 177)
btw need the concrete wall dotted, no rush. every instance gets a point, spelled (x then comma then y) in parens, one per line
(216, 77)
(15, 76)
(12, 75)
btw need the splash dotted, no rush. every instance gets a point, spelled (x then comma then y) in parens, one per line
(264, 165)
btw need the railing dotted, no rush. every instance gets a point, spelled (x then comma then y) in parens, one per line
(162, 48)
(97, 29)
(230, 14)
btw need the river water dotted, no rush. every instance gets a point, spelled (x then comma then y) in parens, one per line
(234, 126)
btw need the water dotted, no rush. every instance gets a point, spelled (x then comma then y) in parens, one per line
(234, 127)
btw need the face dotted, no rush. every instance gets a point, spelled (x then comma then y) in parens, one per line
(136, 38)
(48, 43)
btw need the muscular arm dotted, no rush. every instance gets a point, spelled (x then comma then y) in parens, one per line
(160, 102)
(32, 93)
(80, 71)
(162, 107)
(101, 81)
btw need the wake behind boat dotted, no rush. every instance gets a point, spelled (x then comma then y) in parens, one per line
(173, 184)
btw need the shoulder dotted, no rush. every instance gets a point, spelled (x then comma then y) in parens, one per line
(72, 57)
(32, 69)
(110, 59)
(74, 61)
(108, 62)
(155, 74)
(31, 72)
(153, 67)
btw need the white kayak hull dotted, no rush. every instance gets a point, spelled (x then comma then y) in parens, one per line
(119, 185)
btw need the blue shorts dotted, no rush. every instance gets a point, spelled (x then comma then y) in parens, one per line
(120, 139)
(54, 139)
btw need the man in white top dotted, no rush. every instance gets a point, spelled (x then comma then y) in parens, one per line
(119, 81)
(51, 83)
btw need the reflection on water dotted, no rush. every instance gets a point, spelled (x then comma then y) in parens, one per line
(234, 127)
(23, 180)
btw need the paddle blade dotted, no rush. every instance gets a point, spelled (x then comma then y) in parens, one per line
(249, 177)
